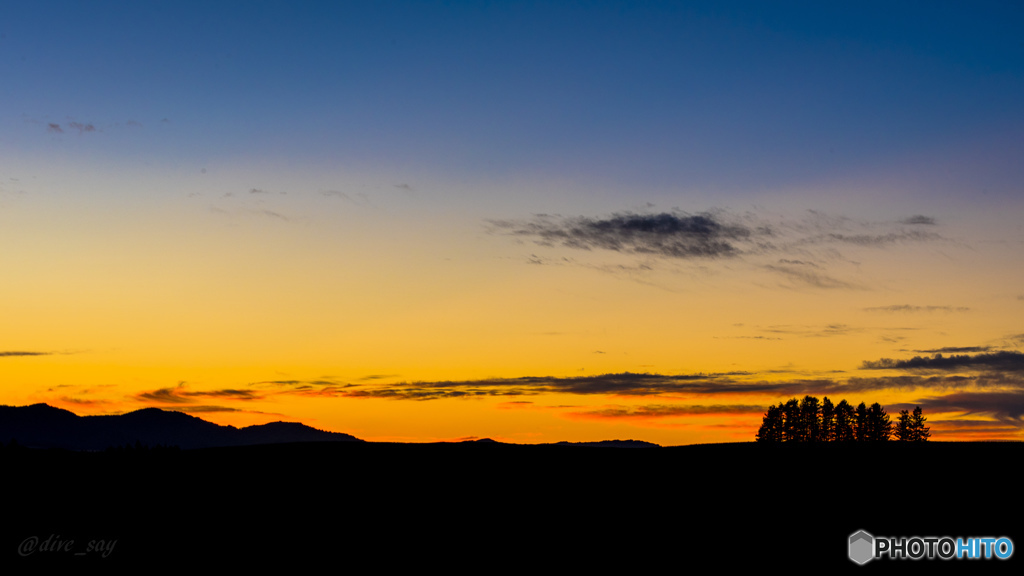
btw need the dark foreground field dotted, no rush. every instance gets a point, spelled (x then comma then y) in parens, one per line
(486, 507)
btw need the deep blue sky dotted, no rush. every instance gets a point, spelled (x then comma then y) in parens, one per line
(725, 96)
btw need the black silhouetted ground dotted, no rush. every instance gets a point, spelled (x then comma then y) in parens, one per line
(486, 506)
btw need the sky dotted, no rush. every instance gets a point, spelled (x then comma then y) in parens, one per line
(532, 222)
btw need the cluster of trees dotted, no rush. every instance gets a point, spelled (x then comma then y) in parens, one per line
(809, 420)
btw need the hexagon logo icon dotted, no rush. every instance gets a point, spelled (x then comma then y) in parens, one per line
(861, 544)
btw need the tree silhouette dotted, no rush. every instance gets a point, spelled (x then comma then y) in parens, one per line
(902, 428)
(828, 421)
(879, 428)
(860, 423)
(791, 431)
(918, 431)
(809, 420)
(844, 422)
(771, 426)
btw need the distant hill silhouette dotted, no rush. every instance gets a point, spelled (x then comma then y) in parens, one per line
(43, 426)
(599, 444)
(613, 444)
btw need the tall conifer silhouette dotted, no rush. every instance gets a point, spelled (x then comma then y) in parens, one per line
(810, 419)
(828, 420)
(879, 426)
(902, 428)
(792, 432)
(771, 426)
(860, 423)
(844, 422)
(918, 431)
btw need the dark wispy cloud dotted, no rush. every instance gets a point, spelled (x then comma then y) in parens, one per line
(676, 235)
(620, 384)
(360, 199)
(857, 385)
(955, 350)
(308, 384)
(181, 398)
(81, 127)
(788, 262)
(320, 388)
(980, 430)
(805, 251)
(630, 384)
(817, 237)
(906, 308)
(1004, 361)
(12, 353)
(985, 372)
(813, 278)
(164, 396)
(1005, 407)
(669, 411)
(84, 402)
(712, 234)
(918, 219)
(882, 239)
(812, 331)
(181, 395)
(205, 409)
(87, 127)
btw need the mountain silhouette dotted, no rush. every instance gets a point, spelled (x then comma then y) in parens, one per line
(43, 426)
(612, 444)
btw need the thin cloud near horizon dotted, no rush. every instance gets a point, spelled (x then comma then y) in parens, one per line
(994, 386)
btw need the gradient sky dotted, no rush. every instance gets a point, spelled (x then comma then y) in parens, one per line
(439, 220)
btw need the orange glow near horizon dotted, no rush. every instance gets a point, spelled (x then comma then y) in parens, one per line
(385, 324)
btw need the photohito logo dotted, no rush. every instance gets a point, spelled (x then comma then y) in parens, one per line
(864, 547)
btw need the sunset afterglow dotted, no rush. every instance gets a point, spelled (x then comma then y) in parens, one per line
(438, 221)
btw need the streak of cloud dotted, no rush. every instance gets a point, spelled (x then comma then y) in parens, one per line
(1004, 361)
(205, 409)
(669, 235)
(669, 411)
(800, 250)
(883, 239)
(918, 219)
(955, 350)
(909, 308)
(181, 395)
(1005, 407)
(812, 278)
(82, 128)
